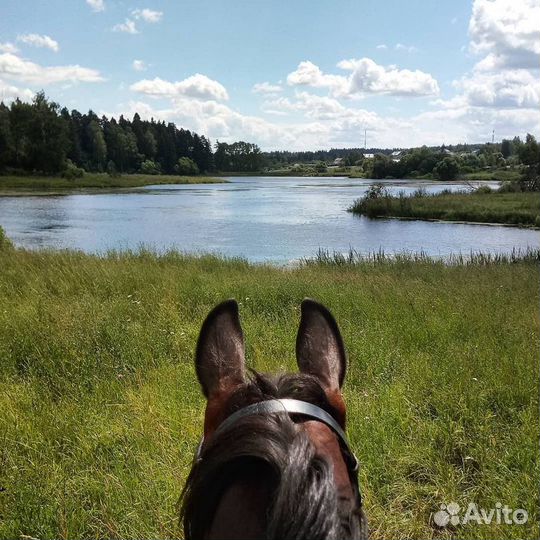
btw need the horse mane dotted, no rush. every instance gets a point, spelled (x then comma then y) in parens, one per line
(303, 503)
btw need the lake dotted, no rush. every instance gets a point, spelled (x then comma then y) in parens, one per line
(264, 219)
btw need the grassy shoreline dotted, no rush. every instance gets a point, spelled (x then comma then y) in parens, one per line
(100, 412)
(513, 209)
(98, 181)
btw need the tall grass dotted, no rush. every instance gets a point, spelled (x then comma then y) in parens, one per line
(95, 180)
(100, 412)
(483, 206)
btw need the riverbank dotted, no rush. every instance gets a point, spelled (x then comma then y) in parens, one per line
(496, 175)
(100, 413)
(481, 206)
(10, 185)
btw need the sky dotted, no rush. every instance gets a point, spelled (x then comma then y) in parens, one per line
(286, 75)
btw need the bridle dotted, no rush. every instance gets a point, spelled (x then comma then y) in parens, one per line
(292, 407)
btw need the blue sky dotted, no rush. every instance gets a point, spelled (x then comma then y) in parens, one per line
(294, 74)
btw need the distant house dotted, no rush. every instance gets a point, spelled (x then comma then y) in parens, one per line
(338, 162)
(369, 156)
(396, 155)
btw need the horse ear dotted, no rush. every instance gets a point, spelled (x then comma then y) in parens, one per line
(319, 347)
(219, 359)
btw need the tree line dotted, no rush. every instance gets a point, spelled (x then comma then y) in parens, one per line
(42, 137)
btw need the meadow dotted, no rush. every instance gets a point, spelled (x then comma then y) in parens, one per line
(100, 412)
(482, 206)
(25, 184)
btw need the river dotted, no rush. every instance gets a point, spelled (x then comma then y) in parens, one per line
(264, 219)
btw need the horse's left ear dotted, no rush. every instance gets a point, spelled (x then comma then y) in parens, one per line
(219, 359)
(319, 346)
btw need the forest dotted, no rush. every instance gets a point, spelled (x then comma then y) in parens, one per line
(43, 138)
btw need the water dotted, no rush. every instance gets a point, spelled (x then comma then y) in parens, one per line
(263, 219)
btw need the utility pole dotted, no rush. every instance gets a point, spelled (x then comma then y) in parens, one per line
(492, 136)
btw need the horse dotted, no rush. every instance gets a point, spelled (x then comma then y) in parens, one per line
(274, 461)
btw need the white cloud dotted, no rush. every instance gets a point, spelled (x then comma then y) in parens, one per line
(382, 46)
(508, 31)
(406, 48)
(266, 88)
(14, 67)
(8, 47)
(369, 77)
(96, 5)
(9, 92)
(139, 65)
(197, 86)
(366, 77)
(147, 15)
(308, 74)
(128, 27)
(37, 40)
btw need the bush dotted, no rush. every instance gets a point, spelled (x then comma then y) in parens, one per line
(483, 190)
(510, 187)
(72, 171)
(150, 167)
(447, 169)
(186, 166)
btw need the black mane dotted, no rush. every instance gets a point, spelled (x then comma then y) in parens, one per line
(300, 487)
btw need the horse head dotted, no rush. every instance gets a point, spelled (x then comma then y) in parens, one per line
(274, 461)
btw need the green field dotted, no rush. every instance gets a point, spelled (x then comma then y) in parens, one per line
(24, 184)
(492, 207)
(100, 412)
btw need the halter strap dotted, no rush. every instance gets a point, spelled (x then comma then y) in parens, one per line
(290, 406)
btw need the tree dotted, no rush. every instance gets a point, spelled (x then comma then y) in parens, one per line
(506, 148)
(97, 146)
(529, 155)
(150, 167)
(186, 166)
(447, 169)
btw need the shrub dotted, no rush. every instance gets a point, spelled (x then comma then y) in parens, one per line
(150, 167)
(447, 169)
(186, 166)
(483, 190)
(71, 171)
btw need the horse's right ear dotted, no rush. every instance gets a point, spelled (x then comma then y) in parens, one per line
(219, 359)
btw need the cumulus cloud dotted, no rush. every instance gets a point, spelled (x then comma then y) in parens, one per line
(197, 86)
(369, 77)
(9, 92)
(266, 88)
(128, 27)
(14, 67)
(147, 15)
(507, 31)
(309, 74)
(37, 40)
(139, 65)
(366, 77)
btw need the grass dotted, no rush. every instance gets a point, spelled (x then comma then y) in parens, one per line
(23, 184)
(100, 413)
(481, 206)
(501, 175)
